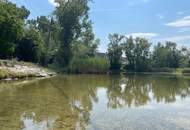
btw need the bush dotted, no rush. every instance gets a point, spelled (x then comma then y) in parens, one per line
(186, 71)
(92, 65)
(30, 47)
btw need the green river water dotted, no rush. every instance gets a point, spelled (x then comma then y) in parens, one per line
(96, 102)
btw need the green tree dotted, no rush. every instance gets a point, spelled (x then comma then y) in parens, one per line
(87, 37)
(159, 56)
(128, 47)
(115, 51)
(174, 55)
(85, 45)
(142, 54)
(69, 14)
(49, 30)
(30, 46)
(167, 55)
(185, 57)
(11, 27)
(137, 53)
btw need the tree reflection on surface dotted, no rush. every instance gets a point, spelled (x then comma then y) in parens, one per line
(75, 102)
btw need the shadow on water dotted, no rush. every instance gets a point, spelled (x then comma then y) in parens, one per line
(76, 102)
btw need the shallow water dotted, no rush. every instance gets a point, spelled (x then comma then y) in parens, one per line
(96, 102)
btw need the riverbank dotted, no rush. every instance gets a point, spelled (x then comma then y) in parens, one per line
(164, 71)
(12, 70)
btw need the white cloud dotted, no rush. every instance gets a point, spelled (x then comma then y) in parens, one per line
(182, 30)
(177, 38)
(184, 22)
(143, 35)
(52, 2)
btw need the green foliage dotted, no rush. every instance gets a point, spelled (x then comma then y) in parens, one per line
(115, 52)
(40, 40)
(30, 46)
(87, 37)
(68, 41)
(139, 58)
(11, 27)
(80, 49)
(137, 52)
(169, 55)
(93, 65)
(49, 31)
(69, 14)
(185, 57)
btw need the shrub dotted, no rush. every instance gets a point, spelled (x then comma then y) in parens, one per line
(92, 65)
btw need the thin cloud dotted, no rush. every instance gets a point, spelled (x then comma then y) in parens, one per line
(145, 1)
(182, 30)
(143, 35)
(136, 2)
(177, 38)
(184, 22)
(180, 12)
(107, 10)
(160, 16)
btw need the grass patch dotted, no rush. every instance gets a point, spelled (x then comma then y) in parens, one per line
(90, 65)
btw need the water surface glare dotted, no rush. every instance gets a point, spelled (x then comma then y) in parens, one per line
(96, 102)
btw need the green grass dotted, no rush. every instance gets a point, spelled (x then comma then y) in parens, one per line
(92, 65)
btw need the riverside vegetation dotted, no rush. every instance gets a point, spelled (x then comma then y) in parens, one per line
(65, 41)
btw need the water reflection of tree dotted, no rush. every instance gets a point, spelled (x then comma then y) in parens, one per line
(139, 90)
(128, 91)
(66, 102)
(166, 89)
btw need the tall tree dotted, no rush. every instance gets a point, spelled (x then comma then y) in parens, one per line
(69, 13)
(87, 37)
(49, 30)
(85, 45)
(128, 47)
(137, 54)
(142, 54)
(115, 51)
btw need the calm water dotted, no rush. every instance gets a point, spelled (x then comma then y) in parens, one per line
(91, 102)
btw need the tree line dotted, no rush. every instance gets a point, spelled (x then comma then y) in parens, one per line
(65, 40)
(137, 54)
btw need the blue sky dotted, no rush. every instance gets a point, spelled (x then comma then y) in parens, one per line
(157, 20)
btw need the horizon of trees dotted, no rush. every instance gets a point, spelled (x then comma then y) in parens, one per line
(139, 57)
(62, 39)
(66, 41)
